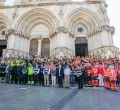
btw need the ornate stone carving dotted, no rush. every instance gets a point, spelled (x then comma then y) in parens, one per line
(65, 52)
(58, 30)
(103, 27)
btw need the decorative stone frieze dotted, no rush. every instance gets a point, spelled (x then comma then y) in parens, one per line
(102, 28)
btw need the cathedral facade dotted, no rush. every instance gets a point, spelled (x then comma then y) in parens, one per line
(56, 28)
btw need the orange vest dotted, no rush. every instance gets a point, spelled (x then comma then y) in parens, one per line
(105, 72)
(95, 71)
(89, 72)
(113, 77)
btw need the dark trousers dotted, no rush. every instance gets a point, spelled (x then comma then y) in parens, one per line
(7, 76)
(20, 78)
(36, 79)
(80, 82)
(12, 76)
(2, 75)
(24, 79)
(60, 81)
(30, 78)
(16, 78)
(41, 80)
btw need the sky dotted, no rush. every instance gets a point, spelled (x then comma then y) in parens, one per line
(113, 13)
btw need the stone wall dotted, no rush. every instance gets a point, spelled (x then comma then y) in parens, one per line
(60, 23)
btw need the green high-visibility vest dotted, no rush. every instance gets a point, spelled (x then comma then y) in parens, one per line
(12, 64)
(30, 70)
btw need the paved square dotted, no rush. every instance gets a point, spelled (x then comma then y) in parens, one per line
(21, 97)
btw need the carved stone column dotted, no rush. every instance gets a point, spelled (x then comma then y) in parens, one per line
(11, 41)
(39, 45)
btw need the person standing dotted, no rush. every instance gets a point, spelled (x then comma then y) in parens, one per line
(79, 77)
(53, 75)
(41, 76)
(24, 74)
(106, 77)
(113, 78)
(7, 71)
(36, 75)
(100, 75)
(72, 77)
(118, 76)
(19, 72)
(89, 76)
(15, 74)
(2, 71)
(95, 76)
(30, 74)
(12, 64)
(60, 75)
(46, 72)
(67, 72)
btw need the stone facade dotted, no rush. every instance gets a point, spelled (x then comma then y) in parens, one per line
(60, 21)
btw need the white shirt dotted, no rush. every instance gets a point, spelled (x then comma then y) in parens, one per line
(46, 71)
(67, 71)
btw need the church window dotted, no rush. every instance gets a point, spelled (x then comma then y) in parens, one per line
(80, 29)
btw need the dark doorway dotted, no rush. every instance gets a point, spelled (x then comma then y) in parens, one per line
(3, 45)
(81, 47)
(33, 47)
(45, 49)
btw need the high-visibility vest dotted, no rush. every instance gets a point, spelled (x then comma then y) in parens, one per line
(113, 77)
(30, 70)
(95, 71)
(105, 72)
(89, 72)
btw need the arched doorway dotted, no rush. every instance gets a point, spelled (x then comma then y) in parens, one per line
(45, 49)
(33, 47)
(3, 45)
(81, 46)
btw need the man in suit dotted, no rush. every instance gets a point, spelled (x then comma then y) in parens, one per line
(7, 71)
(60, 75)
(41, 76)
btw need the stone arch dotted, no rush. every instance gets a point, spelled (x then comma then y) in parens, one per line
(4, 22)
(84, 16)
(4, 26)
(34, 17)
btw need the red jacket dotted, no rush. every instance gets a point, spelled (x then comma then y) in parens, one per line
(118, 72)
(100, 70)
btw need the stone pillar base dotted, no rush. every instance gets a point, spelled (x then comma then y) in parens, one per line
(61, 52)
(11, 53)
(105, 51)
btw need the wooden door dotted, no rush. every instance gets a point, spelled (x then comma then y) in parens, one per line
(45, 49)
(33, 47)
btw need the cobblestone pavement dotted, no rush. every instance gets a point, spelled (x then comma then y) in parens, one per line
(21, 97)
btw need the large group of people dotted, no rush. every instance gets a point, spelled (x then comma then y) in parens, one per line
(64, 72)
